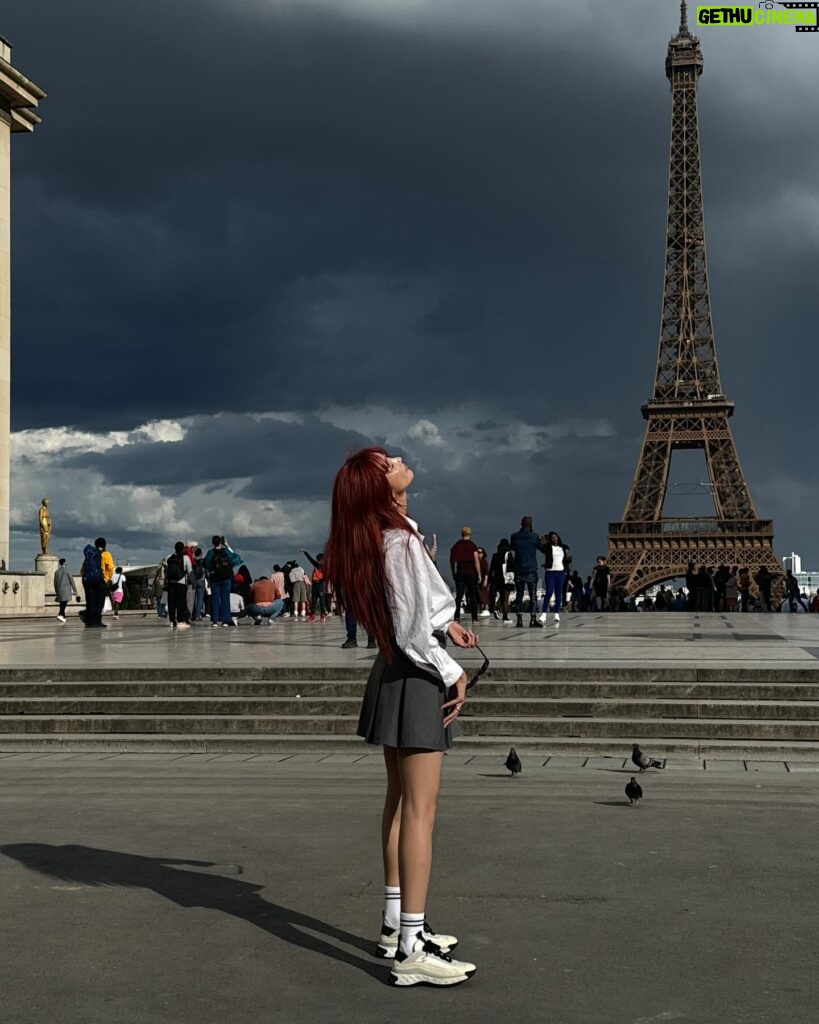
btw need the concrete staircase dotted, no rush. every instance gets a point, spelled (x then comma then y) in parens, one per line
(744, 713)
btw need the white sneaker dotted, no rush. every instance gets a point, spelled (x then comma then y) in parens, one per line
(285, 615)
(557, 618)
(484, 614)
(388, 942)
(427, 964)
(542, 617)
(60, 618)
(507, 621)
(183, 625)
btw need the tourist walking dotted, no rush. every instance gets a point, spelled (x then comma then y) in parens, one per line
(465, 566)
(793, 592)
(159, 591)
(64, 587)
(483, 585)
(178, 575)
(377, 559)
(220, 562)
(117, 589)
(557, 561)
(97, 570)
(525, 545)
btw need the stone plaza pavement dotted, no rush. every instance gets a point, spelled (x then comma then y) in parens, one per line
(678, 639)
(144, 890)
(174, 888)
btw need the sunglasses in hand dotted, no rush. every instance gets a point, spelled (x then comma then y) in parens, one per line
(477, 675)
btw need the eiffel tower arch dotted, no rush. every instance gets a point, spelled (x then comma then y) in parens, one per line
(688, 408)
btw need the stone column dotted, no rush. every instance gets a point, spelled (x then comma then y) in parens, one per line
(5, 325)
(18, 101)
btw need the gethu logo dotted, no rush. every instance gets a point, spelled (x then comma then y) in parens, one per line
(803, 16)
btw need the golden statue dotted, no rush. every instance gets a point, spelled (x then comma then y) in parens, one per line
(45, 526)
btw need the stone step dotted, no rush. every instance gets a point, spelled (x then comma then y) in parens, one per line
(491, 689)
(511, 727)
(574, 750)
(478, 707)
(359, 669)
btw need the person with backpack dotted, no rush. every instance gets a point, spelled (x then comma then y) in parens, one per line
(97, 570)
(178, 573)
(220, 562)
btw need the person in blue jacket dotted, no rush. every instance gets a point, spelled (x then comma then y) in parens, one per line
(220, 562)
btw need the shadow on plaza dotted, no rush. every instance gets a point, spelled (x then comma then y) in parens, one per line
(89, 866)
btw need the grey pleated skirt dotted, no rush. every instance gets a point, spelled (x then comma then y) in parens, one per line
(402, 707)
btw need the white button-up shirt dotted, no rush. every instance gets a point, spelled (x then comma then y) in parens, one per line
(419, 602)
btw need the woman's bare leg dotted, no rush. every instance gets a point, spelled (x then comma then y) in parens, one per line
(391, 818)
(420, 772)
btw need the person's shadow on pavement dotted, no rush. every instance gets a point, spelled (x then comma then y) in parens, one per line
(89, 866)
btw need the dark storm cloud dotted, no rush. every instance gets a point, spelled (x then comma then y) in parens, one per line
(242, 211)
(280, 459)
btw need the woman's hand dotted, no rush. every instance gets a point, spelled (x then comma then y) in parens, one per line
(456, 698)
(461, 637)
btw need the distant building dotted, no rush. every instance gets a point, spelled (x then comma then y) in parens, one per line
(793, 562)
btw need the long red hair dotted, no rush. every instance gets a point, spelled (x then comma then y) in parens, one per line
(363, 508)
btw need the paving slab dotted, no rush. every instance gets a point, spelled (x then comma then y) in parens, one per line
(800, 767)
(766, 767)
(724, 766)
(163, 897)
(567, 761)
(606, 763)
(684, 766)
(344, 758)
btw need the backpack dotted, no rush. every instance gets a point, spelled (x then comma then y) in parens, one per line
(222, 565)
(508, 574)
(198, 569)
(176, 568)
(92, 565)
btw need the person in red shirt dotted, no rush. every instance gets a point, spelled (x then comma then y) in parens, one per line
(465, 563)
(266, 601)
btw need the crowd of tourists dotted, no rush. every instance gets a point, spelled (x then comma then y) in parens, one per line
(194, 586)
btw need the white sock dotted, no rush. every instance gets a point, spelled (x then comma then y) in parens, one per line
(392, 906)
(411, 925)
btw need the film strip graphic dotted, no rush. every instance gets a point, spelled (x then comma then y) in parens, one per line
(798, 7)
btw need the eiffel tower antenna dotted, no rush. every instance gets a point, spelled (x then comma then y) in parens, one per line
(687, 408)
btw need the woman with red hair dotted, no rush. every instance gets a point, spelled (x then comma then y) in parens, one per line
(376, 558)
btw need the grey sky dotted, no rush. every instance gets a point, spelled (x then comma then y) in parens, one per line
(436, 224)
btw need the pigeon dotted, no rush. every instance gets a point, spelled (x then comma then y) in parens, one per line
(643, 761)
(634, 791)
(513, 763)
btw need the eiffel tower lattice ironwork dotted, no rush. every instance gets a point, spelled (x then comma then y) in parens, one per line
(687, 408)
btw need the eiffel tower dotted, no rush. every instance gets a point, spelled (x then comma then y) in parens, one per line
(688, 408)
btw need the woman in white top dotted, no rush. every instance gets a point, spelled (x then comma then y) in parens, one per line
(376, 559)
(557, 561)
